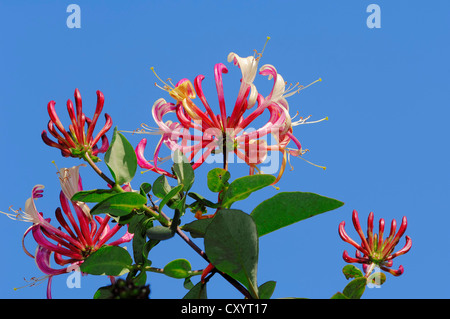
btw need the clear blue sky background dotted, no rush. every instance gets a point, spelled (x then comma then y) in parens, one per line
(386, 92)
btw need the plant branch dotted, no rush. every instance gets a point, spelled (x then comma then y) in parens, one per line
(88, 159)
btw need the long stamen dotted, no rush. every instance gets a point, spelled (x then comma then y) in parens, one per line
(166, 86)
(323, 167)
(290, 91)
(33, 281)
(267, 40)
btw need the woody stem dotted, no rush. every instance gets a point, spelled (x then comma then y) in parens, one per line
(225, 151)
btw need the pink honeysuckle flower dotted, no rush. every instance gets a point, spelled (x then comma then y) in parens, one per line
(223, 133)
(77, 142)
(374, 250)
(77, 237)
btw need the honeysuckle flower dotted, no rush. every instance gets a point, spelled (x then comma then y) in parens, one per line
(70, 181)
(374, 250)
(76, 142)
(77, 237)
(223, 133)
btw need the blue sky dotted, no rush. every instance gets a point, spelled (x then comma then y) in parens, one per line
(385, 90)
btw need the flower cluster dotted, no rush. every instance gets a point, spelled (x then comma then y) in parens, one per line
(223, 133)
(374, 249)
(77, 142)
(78, 236)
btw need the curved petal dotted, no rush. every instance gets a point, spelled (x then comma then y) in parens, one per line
(43, 262)
(142, 161)
(220, 68)
(248, 66)
(31, 214)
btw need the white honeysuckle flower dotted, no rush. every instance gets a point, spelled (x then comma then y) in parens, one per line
(249, 68)
(30, 214)
(69, 179)
(70, 184)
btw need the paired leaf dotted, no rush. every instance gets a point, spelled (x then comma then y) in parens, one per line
(231, 243)
(288, 208)
(242, 187)
(108, 260)
(120, 204)
(121, 159)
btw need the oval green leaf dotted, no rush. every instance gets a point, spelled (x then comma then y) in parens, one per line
(355, 288)
(179, 268)
(217, 179)
(93, 196)
(242, 187)
(121, 159)
(231, 244)
(107, 260)
(120, 205)
(288, 208)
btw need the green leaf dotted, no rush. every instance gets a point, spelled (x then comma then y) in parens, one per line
(107, 260)
(121, 159)
(242, 187)
(145, 189)
(170, 195)
(93, 196)
(188, 283)
(179, 268)
(339, 295)
(161, 186)
(376, 279)
(231, 244)
(288, 208)
(197, 292)
(205, 202)
(197, 228)
(266, 289)
(160, 233)
(351, 271)
(217, 179)
(355, 288)
(183, 170)
(138, 226)
(120, 205)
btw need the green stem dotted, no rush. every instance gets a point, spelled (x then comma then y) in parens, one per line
(88, 159)
(160, 217)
